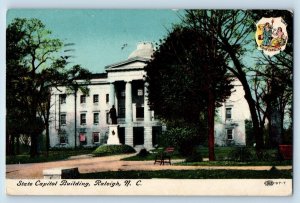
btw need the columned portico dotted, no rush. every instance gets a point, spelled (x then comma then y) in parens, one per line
(128, 114)
(124, 87)
(128, 92)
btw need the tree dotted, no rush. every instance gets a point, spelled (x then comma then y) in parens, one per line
(15, 117)
(38, 68)
(233, 31)
(276, 74)
(186, 77)
(273, 97)
(230, 29)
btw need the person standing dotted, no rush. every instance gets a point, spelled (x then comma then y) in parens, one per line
(267, 35)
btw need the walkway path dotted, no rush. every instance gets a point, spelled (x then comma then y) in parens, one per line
(87, 164)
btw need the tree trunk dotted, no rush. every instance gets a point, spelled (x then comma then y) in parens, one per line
(12, 144)
(211, 124)
(33, 135)
(8, 149)
(33, 147)
(240, 74)
(47, 138)
(275, 128)
(75, 119)
(258, 130)
(18, 144)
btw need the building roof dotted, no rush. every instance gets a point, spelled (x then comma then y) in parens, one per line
(143, 53)
(98, 75)
(143, 50)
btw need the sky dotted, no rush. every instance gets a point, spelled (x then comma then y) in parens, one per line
(99, 35)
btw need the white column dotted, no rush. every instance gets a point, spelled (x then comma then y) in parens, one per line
(128, 114)
(147, 120)
(128, 102)
(147, 112)
(134, 112)
(111, 94)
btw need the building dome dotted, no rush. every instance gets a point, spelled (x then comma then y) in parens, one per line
(144, 50)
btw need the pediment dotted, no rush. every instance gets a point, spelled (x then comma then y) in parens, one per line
(127, 65)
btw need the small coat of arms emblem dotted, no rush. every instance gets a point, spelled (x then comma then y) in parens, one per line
(271, 35)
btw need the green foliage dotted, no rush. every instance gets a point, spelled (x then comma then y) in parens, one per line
(184, 139)
(190, 174)
(188, 76)
(151, 156)
(288, 136)
(194, 157)
(34, 66)
(105, 150)
(235, 163)
(241, 154)
(183, 71)
(54, 155)
(143, 153)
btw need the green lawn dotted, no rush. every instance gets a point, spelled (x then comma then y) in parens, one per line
(235, 163)
(150, 157)
(191, 174)
(223, 155)
(54, 155)
(220, 153)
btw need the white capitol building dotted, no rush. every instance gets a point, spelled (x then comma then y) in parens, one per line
(87, 119)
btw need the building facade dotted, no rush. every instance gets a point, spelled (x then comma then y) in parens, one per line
(83, 120)
(231, 116)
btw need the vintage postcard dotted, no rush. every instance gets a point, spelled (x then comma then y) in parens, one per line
(149, 102)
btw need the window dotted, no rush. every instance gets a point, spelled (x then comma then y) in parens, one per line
(140, 92)
(229, 134)
(63, 119)
(96, 138)
(228, 113)
(107, 98)
(82, 138)
(107, 118)
(82, 99)
(96, 98)
(82, 119)
(62, 98)
(63, 138)
(96, 118)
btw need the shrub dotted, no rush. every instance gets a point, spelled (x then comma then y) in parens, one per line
(143, 153)
(241, 154)
(105, 150)
(195, 157)
(182, 138)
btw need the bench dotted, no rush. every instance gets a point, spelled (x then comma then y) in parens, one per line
(165, 156)
(61, 173)
(285, 152)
